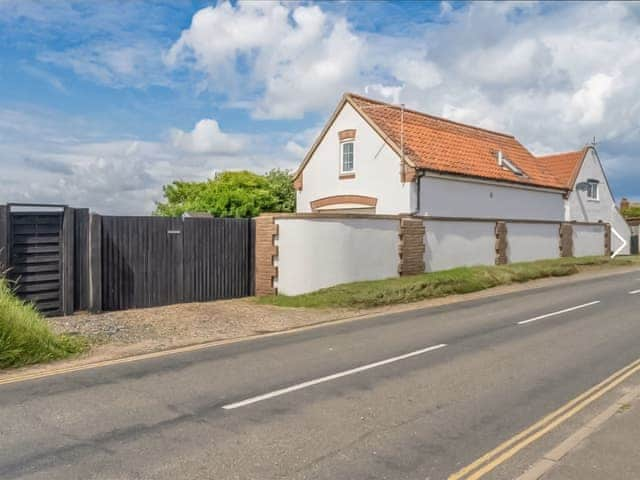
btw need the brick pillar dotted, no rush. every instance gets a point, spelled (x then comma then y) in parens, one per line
(266, 251)
(501, 243)
(566, 240)
(607, 239)
(411, 246)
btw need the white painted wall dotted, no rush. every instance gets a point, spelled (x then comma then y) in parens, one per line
(377, 169)
(454, 244)
(588, 240)
(455, 197)
(531, 241)
(582, 209)
(316, 253)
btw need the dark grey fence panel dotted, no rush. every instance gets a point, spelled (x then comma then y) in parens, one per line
(218, 258)
(4, 238)
(81, 260)
(141, 262)
(36, 258)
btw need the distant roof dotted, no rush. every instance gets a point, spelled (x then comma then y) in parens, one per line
(564, 166)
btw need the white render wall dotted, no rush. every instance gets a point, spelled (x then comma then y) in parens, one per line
(320, 251)
(580, 208)
(588, 240)
(377, 169)
(457, 197)
(450, 244)
(314, 253)
(531, 241)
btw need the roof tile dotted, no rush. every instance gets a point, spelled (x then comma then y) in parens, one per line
(445, 146)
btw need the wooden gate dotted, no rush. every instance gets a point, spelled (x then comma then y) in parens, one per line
(153, 261)
(40, 246)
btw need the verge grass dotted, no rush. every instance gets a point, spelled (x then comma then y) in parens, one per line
(25, 336)
(439, 284)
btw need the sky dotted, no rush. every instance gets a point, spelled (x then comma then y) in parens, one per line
(103, 103)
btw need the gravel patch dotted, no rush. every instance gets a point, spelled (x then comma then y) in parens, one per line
(189, 323)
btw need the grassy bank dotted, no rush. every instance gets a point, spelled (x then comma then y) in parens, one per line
(25, 337)
(439, 284)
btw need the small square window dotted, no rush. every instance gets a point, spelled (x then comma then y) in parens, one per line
(346, 164)
(592, 190)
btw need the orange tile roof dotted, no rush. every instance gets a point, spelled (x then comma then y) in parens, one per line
(564, 166)
(441, 145)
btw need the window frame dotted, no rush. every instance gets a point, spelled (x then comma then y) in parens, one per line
(594, 184)
(353, 156)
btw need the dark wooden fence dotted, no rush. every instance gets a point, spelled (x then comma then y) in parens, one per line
(116, 263)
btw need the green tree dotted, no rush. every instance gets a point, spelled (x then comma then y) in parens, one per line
(230, 194)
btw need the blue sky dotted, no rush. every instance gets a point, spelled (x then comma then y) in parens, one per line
(101, 103)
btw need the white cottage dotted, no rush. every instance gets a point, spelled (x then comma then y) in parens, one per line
(374, 157)
(590, 198)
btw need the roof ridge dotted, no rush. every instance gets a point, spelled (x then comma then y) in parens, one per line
(435, 117)
(568, 152)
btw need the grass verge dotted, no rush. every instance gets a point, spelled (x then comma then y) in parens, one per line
(25, 337)
(439, 284)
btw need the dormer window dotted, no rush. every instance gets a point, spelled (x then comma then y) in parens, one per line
(506, 164)
(346, 165)
(592, 189)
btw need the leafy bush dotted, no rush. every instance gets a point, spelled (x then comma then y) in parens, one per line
(25, 337)
(633, 211)
(231, 194)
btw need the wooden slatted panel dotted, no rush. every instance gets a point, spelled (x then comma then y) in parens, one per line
(218, 258)
(141, 262)
(36, 258)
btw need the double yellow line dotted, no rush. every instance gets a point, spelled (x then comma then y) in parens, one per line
(508, 449)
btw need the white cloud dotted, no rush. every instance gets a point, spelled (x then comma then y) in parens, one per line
(295, 149)
(297, 58)
(417, 72)
(206, 137)
(589, 101)
(42, 163)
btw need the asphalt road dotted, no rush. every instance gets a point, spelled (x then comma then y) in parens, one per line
(413, 395)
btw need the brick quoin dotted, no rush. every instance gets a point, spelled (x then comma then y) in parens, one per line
(607, 240)
(501, 243)
(411, 246)
(266, 251)
(566, 240)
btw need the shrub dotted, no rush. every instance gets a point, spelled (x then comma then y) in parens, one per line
(25, 336)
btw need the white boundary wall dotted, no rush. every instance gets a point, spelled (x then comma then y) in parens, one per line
(532, 241)
(314, 253)
(450, 244)
(588, 240)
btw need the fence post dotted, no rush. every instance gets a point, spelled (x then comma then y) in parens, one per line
(566, 240)
(95, 263)
(68, 249)
(4, 238)
(501, 243)
(81, 257)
